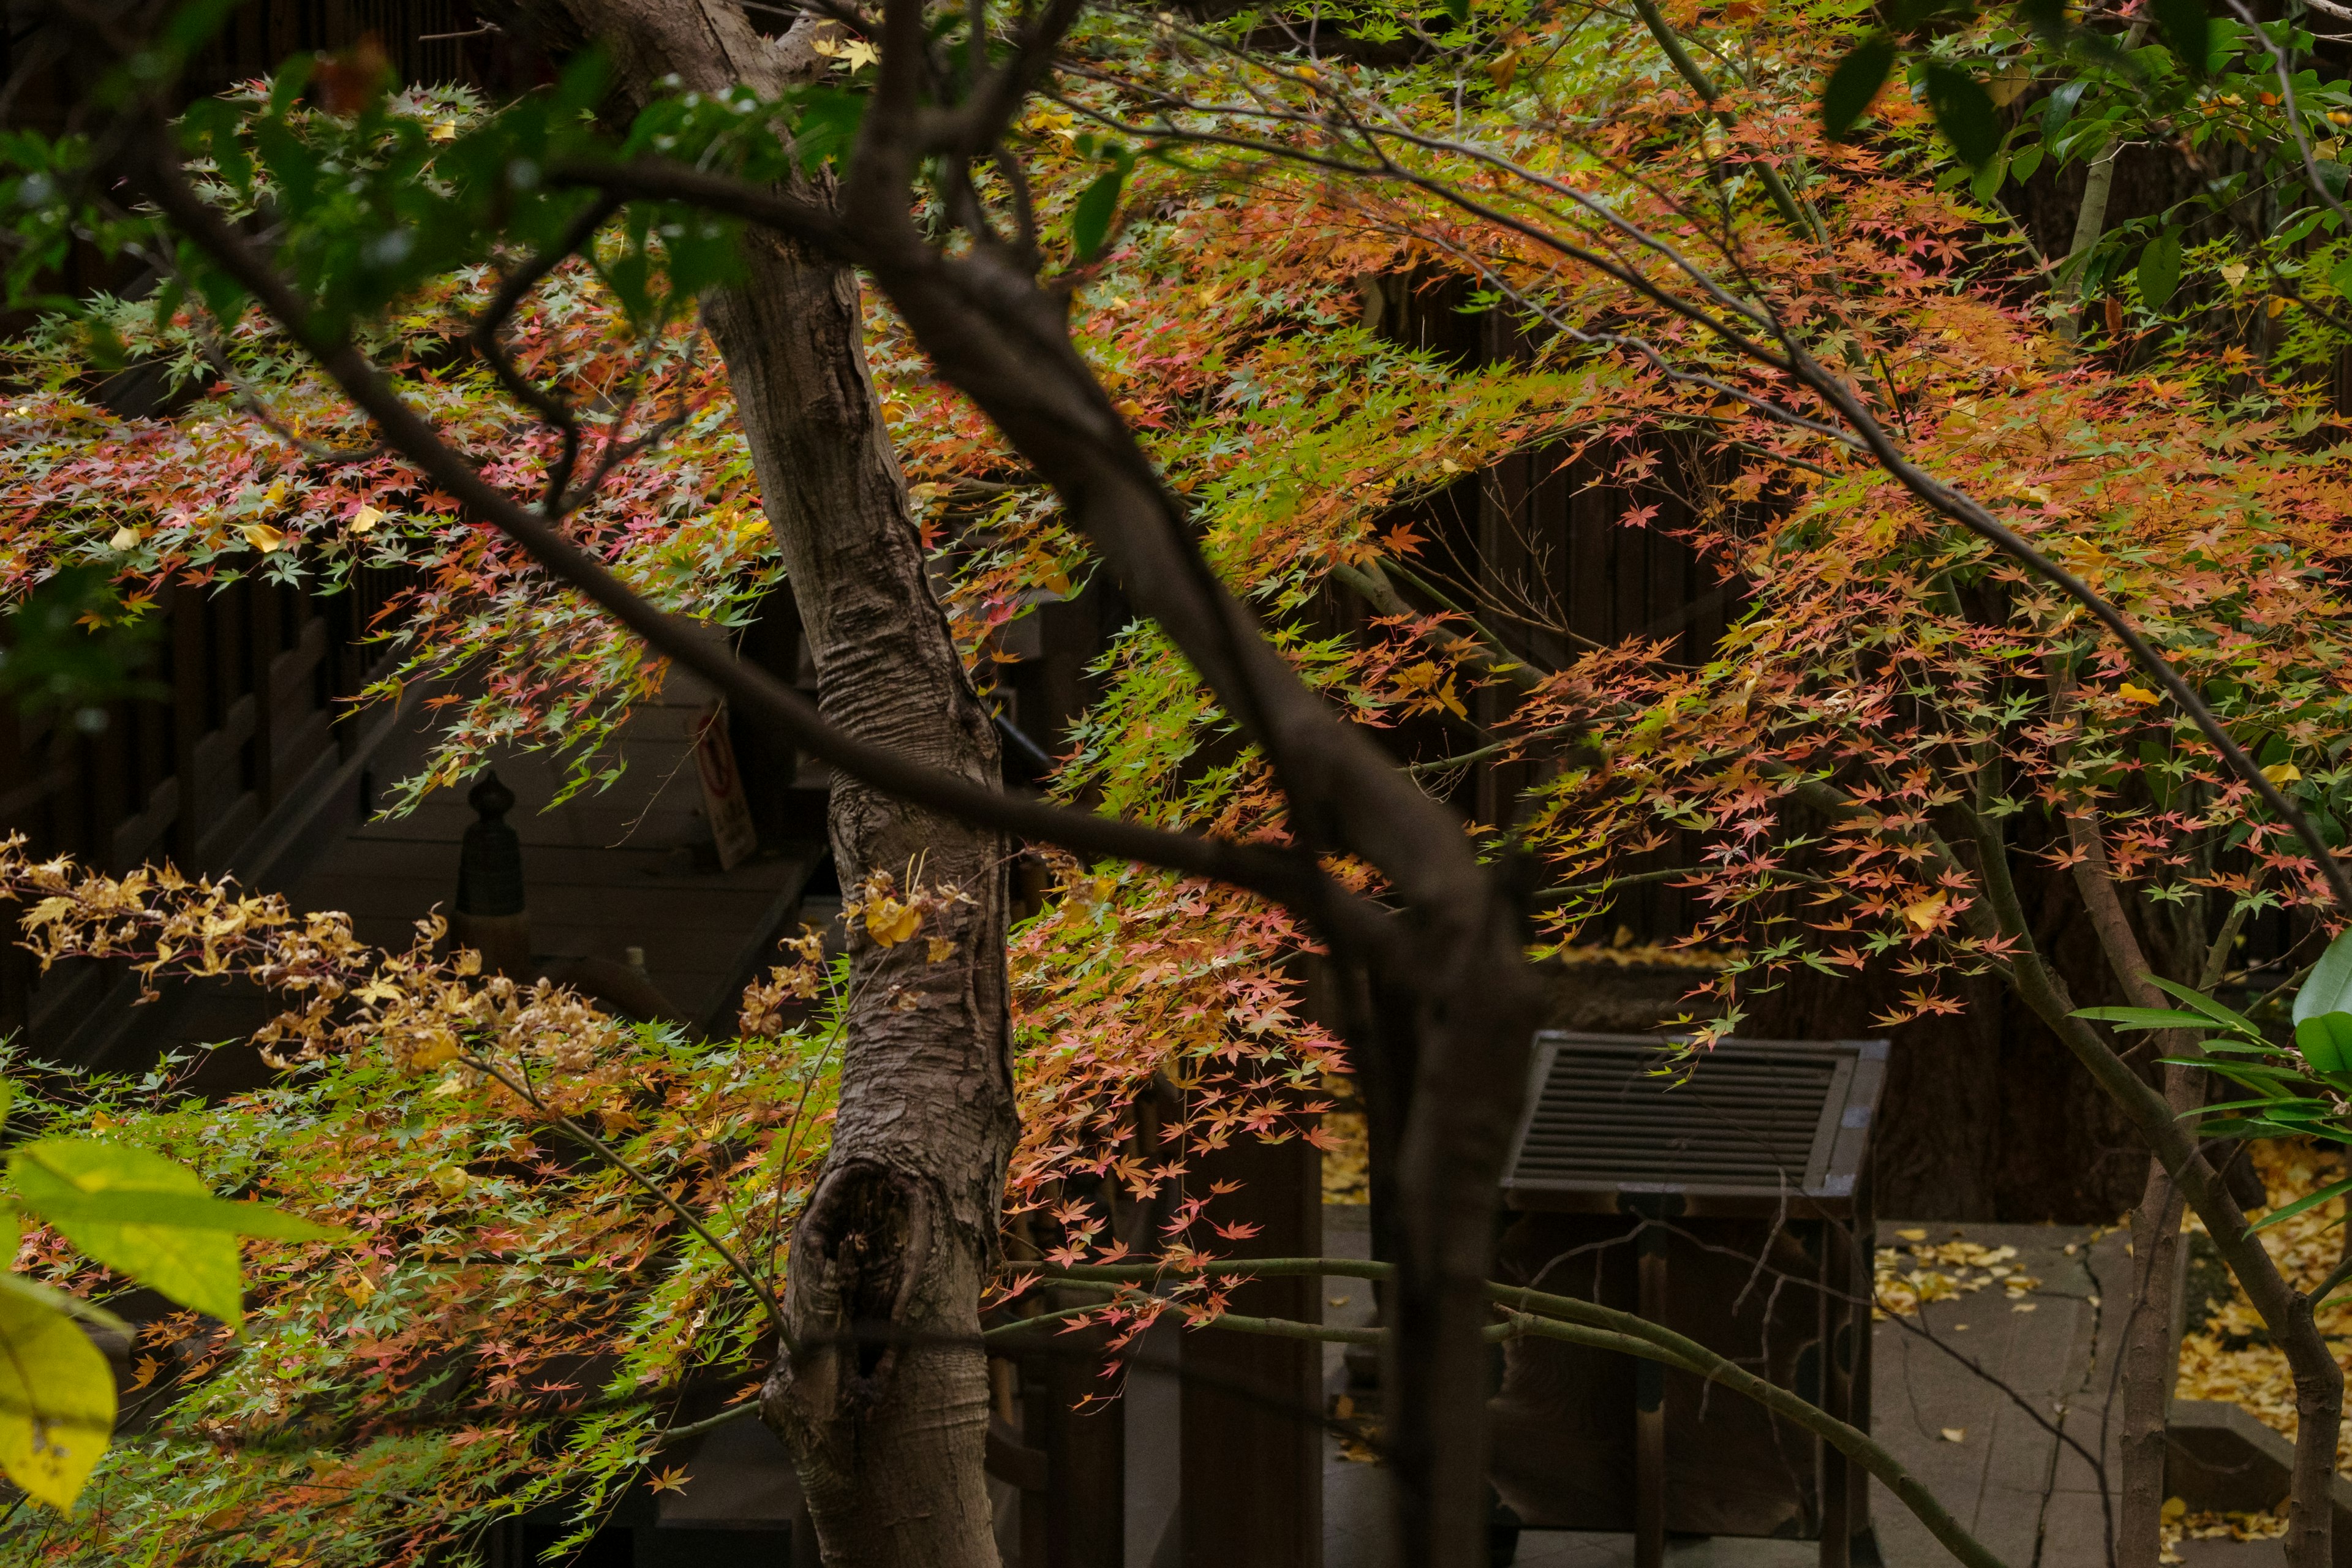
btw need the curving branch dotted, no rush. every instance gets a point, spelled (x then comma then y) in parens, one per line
(1278, 874)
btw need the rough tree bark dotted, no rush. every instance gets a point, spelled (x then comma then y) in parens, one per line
(884, 1414)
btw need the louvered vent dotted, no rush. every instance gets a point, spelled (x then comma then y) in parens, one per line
(1761, 1117)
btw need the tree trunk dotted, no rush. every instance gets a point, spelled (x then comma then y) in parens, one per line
(2150, 1362)
(895, 1245)
(884, 1403)
(2150, 1359)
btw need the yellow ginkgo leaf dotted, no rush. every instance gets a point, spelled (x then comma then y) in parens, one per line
(364, 520)
(1955, 1434)
(263, 538)
(2282, 772)
(125, 538)
(2139, 694)
(451, 1181)
(443, 130)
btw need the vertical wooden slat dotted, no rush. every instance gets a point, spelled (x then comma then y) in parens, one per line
(1588, 556)
(1252, 1448)
(264, 641)
(1502, 561)
(16, 964)
(191, 693)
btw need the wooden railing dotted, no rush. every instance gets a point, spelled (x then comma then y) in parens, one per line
(222, 776)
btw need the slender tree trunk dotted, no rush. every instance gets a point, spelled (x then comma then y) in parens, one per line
(884, 1405)
(2150, 1355)
(2285, 1311)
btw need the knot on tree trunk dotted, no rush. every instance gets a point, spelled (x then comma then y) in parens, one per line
(858, 1257)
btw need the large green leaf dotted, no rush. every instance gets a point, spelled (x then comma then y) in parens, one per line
(1090, 218)
(57, 1393)
(1854, 82)
(2187, 30)
(1964, 111)
(145, 1216)
(2329, 987)
(2160, 270)
(2325, 1041)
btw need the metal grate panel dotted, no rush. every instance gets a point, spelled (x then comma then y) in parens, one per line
(1750, 1118)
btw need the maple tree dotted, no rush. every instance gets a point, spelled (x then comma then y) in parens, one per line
(1855, 757)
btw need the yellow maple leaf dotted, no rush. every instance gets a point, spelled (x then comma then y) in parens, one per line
(942, 950)
(47, 910)
(672, 1480)
(360, 1288)
(890, 922)
(859, 53)
(436, 1049)
(1923, 914)
(2139, 694)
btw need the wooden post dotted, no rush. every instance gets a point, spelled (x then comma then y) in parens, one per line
(1650, 1411)
(1838, 1328)
(1252, 1448)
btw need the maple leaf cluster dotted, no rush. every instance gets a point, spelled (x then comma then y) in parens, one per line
(517, 1321)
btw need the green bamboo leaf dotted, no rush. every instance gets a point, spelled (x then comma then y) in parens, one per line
(2308, 1201)
(2274, 1105)
(2238, 1022)
(2144, 1017)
